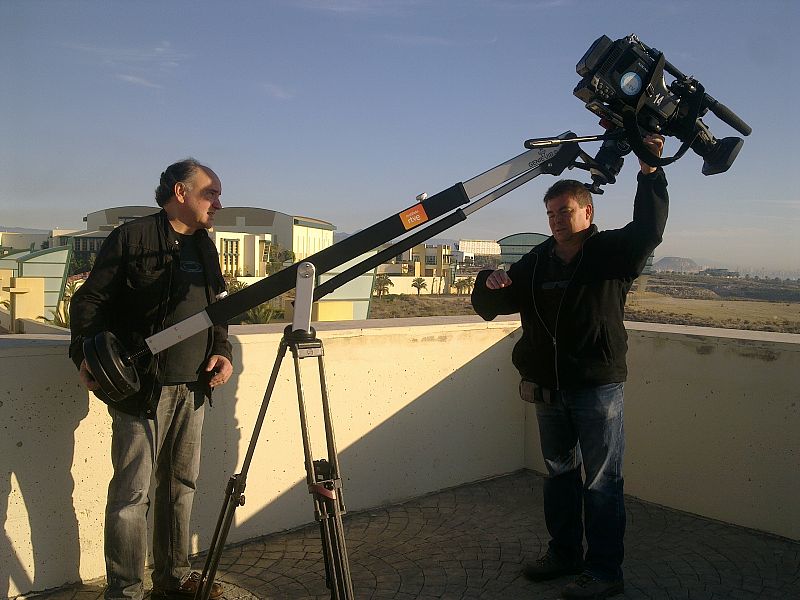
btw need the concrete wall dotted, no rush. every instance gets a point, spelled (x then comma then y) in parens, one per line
(419, 405)
(712, 419)
(715, 417)
(400, 430)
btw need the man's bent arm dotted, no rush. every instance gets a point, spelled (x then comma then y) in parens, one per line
(490, 303)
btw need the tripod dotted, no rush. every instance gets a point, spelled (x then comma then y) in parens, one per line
(322, 476)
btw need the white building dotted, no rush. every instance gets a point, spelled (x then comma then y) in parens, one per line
(482, 247)
(247, 238)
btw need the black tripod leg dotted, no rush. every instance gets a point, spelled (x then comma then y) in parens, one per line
(335, 504)
(235, 490)
(335, 551)
(233, 499)
(325, 486)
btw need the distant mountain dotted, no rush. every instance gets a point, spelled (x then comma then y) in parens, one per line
(22, 230)
(676, 264)
(338, 236)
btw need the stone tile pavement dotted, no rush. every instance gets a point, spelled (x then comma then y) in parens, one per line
(470, 542)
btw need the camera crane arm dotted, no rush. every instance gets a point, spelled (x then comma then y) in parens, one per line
(114, 367)
(475, 193)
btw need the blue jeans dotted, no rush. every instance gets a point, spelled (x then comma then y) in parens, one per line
(170, 445)
(577, 427)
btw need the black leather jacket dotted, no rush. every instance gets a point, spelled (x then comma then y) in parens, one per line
(128, 293)
(589, 343)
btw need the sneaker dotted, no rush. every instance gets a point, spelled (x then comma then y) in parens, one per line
(549, 566)
(187, 590)
(589, 586)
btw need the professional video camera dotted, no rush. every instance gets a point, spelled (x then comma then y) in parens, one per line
(623, 83)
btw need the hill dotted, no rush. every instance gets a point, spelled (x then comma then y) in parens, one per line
(744, 303)
(22, 230)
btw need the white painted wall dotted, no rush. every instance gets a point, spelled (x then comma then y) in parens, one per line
(419, 405)
(404, 400)
(712, 419)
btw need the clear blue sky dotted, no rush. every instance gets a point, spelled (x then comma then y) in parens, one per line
(346, 110)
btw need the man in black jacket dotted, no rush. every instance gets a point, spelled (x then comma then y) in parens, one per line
(151, 273)
(570, 292)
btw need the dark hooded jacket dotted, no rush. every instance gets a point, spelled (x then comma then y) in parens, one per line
(588, 345)
(130, 293)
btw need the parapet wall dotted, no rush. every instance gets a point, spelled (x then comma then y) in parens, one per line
(419, 405)
(712, 418)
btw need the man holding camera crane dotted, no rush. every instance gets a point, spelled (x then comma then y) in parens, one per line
(150, 273)
(570, 292)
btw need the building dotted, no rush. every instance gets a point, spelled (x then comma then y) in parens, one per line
(515, 246)
(480, 247)
(49, 265)
(434, 259)
(719, 273)
(302, 236)
(463, 258)
(29, 241)
(250, 241)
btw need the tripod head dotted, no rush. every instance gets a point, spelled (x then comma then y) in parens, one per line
(604, 166)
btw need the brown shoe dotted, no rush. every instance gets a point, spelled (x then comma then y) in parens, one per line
(187, 590)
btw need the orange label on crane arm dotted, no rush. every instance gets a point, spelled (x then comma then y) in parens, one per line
(413, 216)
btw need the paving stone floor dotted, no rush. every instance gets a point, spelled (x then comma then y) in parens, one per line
(470, 542)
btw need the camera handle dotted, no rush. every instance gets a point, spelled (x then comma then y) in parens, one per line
(695, 99)
(640, 149)
(725, 114)
(630, 123)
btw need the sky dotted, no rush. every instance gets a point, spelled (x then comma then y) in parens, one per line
(345, 110)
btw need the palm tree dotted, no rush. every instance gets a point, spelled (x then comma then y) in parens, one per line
(419, 284)
(382, 284)
(233, 285)
(469, 283)
(259, 315)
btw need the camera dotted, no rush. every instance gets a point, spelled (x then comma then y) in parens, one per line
(623, 82)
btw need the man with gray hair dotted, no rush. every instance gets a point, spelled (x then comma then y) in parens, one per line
(149, 274)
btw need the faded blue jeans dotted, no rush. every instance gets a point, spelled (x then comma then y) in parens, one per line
(577, 427)
(170, 446)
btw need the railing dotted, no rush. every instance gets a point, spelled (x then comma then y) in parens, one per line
(419, 405)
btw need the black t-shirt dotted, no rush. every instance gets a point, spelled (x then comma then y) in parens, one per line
(188, 297)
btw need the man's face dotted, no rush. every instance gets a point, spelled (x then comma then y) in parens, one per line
(198, 201)
(567, 218)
